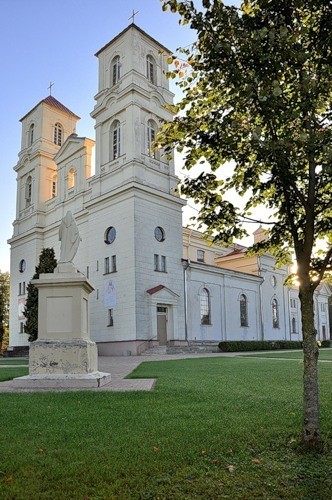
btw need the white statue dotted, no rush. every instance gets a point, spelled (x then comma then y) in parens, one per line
(69, 237)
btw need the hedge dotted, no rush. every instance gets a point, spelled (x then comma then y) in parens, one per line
(263, 345)
(257, 345)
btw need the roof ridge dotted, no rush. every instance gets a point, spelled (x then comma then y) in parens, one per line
(52, 101)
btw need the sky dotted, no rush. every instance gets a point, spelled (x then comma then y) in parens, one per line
(45, 41)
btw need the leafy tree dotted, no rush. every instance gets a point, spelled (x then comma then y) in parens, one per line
(4, 304)
(257, 89)
(47, 264)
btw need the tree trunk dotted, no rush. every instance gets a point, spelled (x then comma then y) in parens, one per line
(311, 426)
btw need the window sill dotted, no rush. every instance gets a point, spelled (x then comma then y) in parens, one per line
(110, 272)
(159, 271)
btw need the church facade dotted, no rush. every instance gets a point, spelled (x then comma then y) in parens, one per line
(155, 282)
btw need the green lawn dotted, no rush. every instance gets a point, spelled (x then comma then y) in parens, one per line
(212, 428)
(324, 355)
(10, 361)
(9, 373)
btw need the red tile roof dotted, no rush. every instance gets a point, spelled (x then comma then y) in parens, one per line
(155, 289)
(51, 101)
(235, 252)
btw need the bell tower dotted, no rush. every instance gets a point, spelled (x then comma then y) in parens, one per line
(44, 130)
(143, 232)
(133, 94)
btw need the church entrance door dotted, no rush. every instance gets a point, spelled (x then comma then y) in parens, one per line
(162, 320)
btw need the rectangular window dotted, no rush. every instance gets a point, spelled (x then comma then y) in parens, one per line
(160, 263)
(322, 306)
(113, 269)
(97, 293)
(21, 327)
(53, 188)
(293, 303)
(20, 288)
(107, 265)
(163, 264)
(87, 271)
(110, 318)
(97, 266)
(200, 256)
(23, 288)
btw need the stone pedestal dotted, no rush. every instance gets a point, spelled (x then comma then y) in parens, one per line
(63, 356)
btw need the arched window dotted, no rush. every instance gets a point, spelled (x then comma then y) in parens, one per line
(151, 69)
(275, 313)
(71, 178)
(243, 310)
(294, 325)
(58, 134)
(28, 191)
(204, 302)
(115, 140)
(54, 185)
(30, 135)
(115, 70)
(151, 137)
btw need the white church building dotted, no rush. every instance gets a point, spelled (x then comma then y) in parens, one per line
(156, 283)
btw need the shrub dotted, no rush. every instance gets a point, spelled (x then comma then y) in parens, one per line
(258, 345)
(47, 264)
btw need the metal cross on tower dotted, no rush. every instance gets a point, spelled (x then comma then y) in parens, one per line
(133, 16)
(50, 87)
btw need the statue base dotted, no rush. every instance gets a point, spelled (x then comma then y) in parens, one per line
(62, 382)
(63, 357)
(54, 357)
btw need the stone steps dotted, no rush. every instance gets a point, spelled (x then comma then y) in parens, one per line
(16, 352)
(161, 349)
(190, 348)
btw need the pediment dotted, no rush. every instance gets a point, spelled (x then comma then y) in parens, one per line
(69, 148)
(324, 289)
(162, 292)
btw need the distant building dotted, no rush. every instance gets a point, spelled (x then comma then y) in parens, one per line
(156, 283)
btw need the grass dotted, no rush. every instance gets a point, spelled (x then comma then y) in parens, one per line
(9, 361)
(9, 373)
(213, 428)
(324, 355)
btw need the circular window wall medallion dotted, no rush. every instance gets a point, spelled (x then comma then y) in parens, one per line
(159, 233)
(22, 266)
(273, 281)
(110, 235)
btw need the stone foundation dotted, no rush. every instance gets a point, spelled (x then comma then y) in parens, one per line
(54, 357)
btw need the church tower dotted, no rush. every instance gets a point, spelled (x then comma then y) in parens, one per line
(44, 130)
(128, 211)
(134, 208)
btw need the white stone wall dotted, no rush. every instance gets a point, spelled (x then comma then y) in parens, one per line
(225, 288)
(273, 289)
(150, 212)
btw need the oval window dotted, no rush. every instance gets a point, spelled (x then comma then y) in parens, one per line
(110, 235)
(22, 266)
(159, 233)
